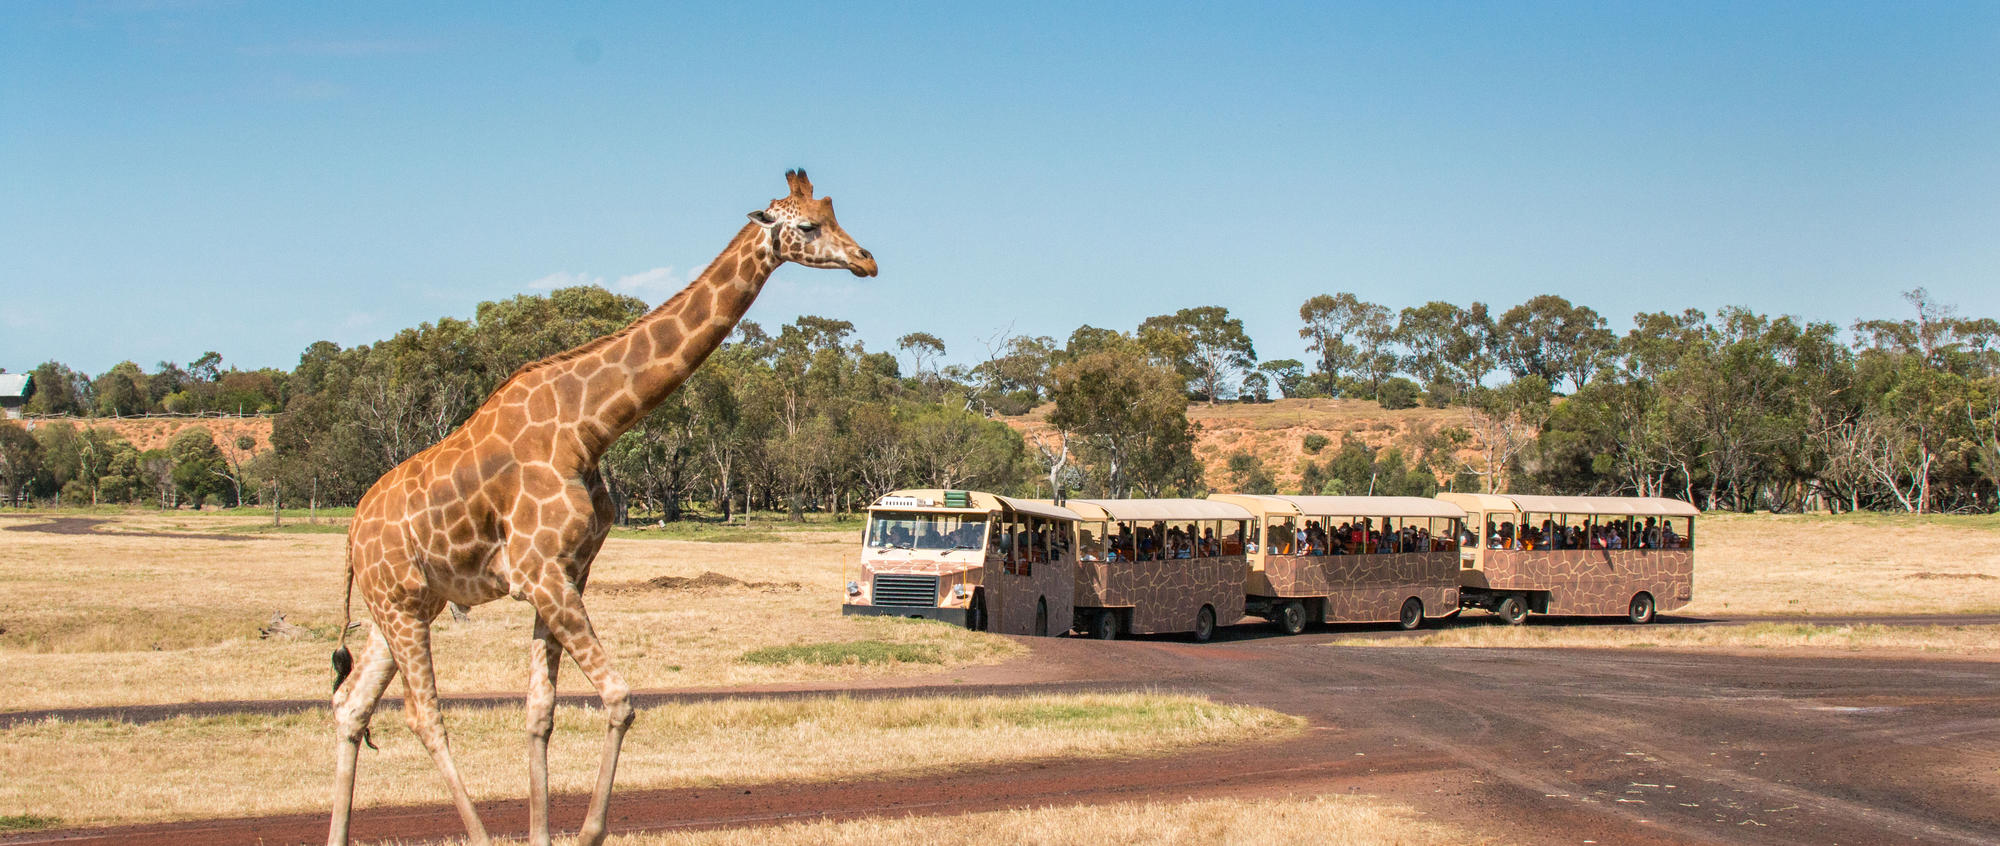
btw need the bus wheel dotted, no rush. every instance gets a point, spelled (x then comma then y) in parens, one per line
(1641, 611)
(1204, 624)
(1105, 625)
(1042, 617)
(1292, 618)
(1512, 610)
(1412, 616)
(975, 612)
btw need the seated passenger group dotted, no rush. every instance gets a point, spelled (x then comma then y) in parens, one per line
(1148, 543)
(1611, 534)
(1356, 537)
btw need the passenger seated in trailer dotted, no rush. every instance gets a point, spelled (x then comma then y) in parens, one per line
(1089, 541)
(1649, 538)
(1669, 537)
(1209, 547)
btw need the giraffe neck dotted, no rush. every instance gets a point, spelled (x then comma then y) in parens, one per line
(645, 362)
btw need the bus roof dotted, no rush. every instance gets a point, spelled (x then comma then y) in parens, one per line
(932, 499)
(1346, 506)
(1616, 505)
(1157, 509)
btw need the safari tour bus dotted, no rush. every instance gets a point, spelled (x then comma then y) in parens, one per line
(1151, 566)
(1582, 555)
(980, 560)
(1350, 559)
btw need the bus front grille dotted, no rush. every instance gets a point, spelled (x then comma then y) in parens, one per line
(897, 589)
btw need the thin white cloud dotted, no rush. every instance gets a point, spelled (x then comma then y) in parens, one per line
(564, 279)
(655, 281)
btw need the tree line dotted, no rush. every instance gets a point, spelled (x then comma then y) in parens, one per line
(1735, 410)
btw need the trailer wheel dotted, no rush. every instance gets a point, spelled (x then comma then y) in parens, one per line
(1412, 616)
(1642, 609)
(1292, 617)
(1104, 626)
(1512, 610)
(1204, 624)
(975, 612)
(1042, 617)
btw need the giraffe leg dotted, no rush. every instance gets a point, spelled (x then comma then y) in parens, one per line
(544, 659)
(420, 710)
(353, 705)
(563, 613)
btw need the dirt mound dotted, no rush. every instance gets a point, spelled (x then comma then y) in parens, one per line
(155, 432)
(1930, 575)
(708, 582)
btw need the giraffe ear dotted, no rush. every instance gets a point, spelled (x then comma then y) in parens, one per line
(762, 217)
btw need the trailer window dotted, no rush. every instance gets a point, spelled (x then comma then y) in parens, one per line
(1014, 552)
(1278, 536)
(1675, 533)
(1090, 539)
(1232, 537)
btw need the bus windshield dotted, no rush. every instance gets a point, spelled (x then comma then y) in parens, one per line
(918, 530)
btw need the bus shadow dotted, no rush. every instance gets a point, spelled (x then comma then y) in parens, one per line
(1253, 630)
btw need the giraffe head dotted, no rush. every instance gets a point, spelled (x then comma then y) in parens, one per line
(803, 230)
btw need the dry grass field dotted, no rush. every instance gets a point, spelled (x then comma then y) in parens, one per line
(121, 618)
(1332, 820)
(102, 772)
(141, 611)
(1783, 564)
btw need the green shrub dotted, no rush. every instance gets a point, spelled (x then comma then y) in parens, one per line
(1316, 442)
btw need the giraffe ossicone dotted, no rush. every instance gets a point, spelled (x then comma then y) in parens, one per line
(512, 504)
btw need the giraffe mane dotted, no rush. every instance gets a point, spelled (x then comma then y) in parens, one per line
(592, 345)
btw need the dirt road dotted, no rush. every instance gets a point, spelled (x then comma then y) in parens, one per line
(1528, 745)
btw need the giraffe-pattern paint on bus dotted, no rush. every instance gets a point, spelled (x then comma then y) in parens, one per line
(1589, 581)
(1165, 596)
(1364, 588)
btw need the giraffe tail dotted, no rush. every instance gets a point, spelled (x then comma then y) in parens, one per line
(343, 661)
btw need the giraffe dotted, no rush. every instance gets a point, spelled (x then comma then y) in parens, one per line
(512, 504)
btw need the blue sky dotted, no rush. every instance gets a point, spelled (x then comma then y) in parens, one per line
(179, 175)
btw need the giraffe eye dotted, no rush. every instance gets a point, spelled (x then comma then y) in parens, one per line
(808, 226)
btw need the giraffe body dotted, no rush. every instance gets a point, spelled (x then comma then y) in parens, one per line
(512, 504)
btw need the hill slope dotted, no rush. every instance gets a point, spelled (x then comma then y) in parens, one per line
(1275, 431)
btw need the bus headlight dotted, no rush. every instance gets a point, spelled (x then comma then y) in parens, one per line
(958, 591)
(853, 588)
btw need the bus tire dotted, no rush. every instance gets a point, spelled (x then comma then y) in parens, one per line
(975, 612)
(1642, 609)
(1412, 615)
(1104, 626)
(1042, 617)
(1512, 610)
(1292, 617)
(1204, 624)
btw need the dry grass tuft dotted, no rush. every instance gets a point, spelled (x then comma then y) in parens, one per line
(852, 652)
(190, 767)
(1977, 642)
(1334, 820)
